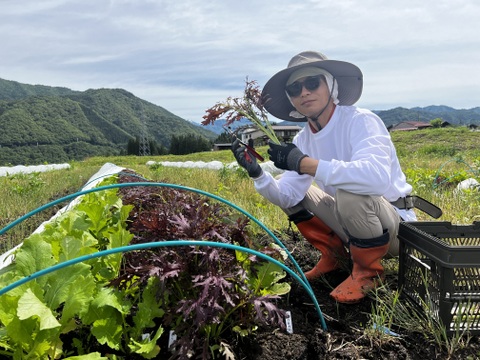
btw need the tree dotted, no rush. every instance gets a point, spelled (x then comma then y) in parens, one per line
(223, 138)
(436, 123)
(188, 144)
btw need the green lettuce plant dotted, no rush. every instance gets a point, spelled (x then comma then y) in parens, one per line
(40, 316)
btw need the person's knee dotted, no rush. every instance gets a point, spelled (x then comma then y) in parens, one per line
(348, 205)
(357, 215)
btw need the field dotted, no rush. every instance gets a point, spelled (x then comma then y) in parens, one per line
(435, 161)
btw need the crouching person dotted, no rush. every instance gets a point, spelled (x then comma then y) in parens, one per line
(342, 172)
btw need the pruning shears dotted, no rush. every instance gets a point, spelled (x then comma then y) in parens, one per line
(248, 148)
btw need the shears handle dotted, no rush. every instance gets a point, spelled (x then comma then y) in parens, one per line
(252, 151)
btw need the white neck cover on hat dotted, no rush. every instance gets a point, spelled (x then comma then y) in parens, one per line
(314, 71)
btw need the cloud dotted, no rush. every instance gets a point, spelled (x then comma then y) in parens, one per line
(187, 55)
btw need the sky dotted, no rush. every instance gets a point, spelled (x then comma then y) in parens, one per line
(187, 55)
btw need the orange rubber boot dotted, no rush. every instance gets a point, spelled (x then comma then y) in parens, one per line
(322, 237)
(366, 273)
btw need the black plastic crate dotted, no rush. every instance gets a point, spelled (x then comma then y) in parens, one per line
(439, 270)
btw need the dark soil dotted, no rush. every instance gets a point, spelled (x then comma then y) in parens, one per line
(345, 337)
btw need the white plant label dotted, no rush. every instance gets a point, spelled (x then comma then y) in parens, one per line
(288, 322)
(172, 337)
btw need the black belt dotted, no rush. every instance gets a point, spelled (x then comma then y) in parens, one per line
(413, 201)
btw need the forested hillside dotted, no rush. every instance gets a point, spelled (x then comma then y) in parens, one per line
(46, 124)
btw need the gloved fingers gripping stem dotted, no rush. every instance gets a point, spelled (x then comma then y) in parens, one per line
(247, 146)
(246, 159)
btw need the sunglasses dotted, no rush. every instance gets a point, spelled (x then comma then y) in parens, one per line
(311, 83)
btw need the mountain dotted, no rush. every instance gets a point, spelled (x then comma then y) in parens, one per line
(428, 113)
(54, 124)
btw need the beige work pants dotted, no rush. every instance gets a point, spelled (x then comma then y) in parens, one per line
(353, 215)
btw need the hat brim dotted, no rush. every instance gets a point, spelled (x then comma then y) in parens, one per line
(349, 79)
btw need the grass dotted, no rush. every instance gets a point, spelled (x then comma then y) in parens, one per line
(434, 161)
(433, 172)
(390, 311)
(21, 194)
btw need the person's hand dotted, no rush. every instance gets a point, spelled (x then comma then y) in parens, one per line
(246, 160)
(285, 156)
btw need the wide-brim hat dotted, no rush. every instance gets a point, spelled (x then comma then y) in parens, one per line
(348, 76)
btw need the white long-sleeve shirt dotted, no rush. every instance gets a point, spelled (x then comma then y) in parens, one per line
(355, 153)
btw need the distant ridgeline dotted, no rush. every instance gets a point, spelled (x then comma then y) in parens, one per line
(453, 116)
(42, 124)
